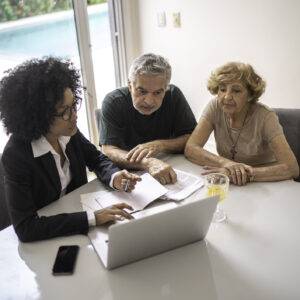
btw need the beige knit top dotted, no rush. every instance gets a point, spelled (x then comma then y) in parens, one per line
(252, 146)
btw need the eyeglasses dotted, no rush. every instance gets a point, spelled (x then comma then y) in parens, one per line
(67, 113)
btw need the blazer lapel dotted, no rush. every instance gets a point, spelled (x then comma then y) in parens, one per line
(77, 168)
(48, 163)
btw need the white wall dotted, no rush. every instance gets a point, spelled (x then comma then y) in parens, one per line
(264, 33)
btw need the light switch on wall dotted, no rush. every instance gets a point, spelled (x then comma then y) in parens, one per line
(161, 19)
(176, 19)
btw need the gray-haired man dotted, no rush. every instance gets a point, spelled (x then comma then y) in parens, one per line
(146, 118)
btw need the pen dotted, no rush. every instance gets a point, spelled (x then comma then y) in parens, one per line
(127, 185)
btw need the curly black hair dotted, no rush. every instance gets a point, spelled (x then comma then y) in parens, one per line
(30, 92)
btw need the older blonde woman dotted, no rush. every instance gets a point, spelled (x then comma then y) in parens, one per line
(249, 139)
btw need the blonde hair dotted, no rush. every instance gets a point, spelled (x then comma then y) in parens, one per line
(237, 71)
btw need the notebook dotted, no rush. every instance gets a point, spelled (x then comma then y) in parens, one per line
(153, 231)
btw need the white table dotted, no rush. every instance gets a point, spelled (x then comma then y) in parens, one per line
(254, 255)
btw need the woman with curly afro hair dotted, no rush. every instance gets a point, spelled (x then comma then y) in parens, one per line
(250, 141)
(46, 155)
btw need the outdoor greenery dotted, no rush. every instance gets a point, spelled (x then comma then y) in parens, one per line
(16, 9)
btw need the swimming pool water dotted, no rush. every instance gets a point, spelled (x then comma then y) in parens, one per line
(58, 37)
(54, 38)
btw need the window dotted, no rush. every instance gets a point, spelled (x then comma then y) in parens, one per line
(31, 29)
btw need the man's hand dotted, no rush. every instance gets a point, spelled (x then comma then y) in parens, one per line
(144, 150)
(113, 213)
(161, 171)
(121, 179)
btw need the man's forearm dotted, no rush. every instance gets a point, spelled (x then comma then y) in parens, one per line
(175, 145)
(118, 156)
(157, 168)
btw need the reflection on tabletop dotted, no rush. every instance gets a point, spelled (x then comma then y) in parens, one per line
(164, 276)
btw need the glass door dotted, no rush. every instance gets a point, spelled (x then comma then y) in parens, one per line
(32, 29)
(102, 52)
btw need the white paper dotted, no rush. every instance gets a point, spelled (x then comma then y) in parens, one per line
(88, 201)
(144, 193)
(186, 185)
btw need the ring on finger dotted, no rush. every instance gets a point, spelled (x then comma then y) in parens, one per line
(237, 171)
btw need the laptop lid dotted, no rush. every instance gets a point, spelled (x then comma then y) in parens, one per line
(140, 238)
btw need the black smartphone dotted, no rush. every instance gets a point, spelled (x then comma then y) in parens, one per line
(65, 260)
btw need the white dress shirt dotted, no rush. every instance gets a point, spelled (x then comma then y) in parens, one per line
(42, 146)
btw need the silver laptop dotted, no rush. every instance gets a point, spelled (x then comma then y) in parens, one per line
(153, 231)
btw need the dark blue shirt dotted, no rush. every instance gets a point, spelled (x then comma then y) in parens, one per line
(121, 125)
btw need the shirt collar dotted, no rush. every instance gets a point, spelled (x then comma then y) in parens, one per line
(41, 146)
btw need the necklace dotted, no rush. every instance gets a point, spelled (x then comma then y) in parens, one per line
(232, 150)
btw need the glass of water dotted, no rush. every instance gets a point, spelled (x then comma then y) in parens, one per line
(217, 184)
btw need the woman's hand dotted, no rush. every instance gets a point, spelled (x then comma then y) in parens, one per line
(121, 178)
(113, 213)
(238, 173)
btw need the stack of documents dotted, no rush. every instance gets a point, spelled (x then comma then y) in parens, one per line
(186, 185)
(145, 192)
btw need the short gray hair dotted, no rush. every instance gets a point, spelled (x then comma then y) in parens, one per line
(152, 65)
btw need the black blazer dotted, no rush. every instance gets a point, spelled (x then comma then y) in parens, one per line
(32, 183)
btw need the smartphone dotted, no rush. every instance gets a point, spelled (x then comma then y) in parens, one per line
(65, 260)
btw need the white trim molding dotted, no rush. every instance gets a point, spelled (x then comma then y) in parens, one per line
(86, 61)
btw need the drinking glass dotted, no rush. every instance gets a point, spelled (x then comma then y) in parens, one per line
(217, 184)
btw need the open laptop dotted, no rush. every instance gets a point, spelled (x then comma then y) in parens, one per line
(153, 231)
